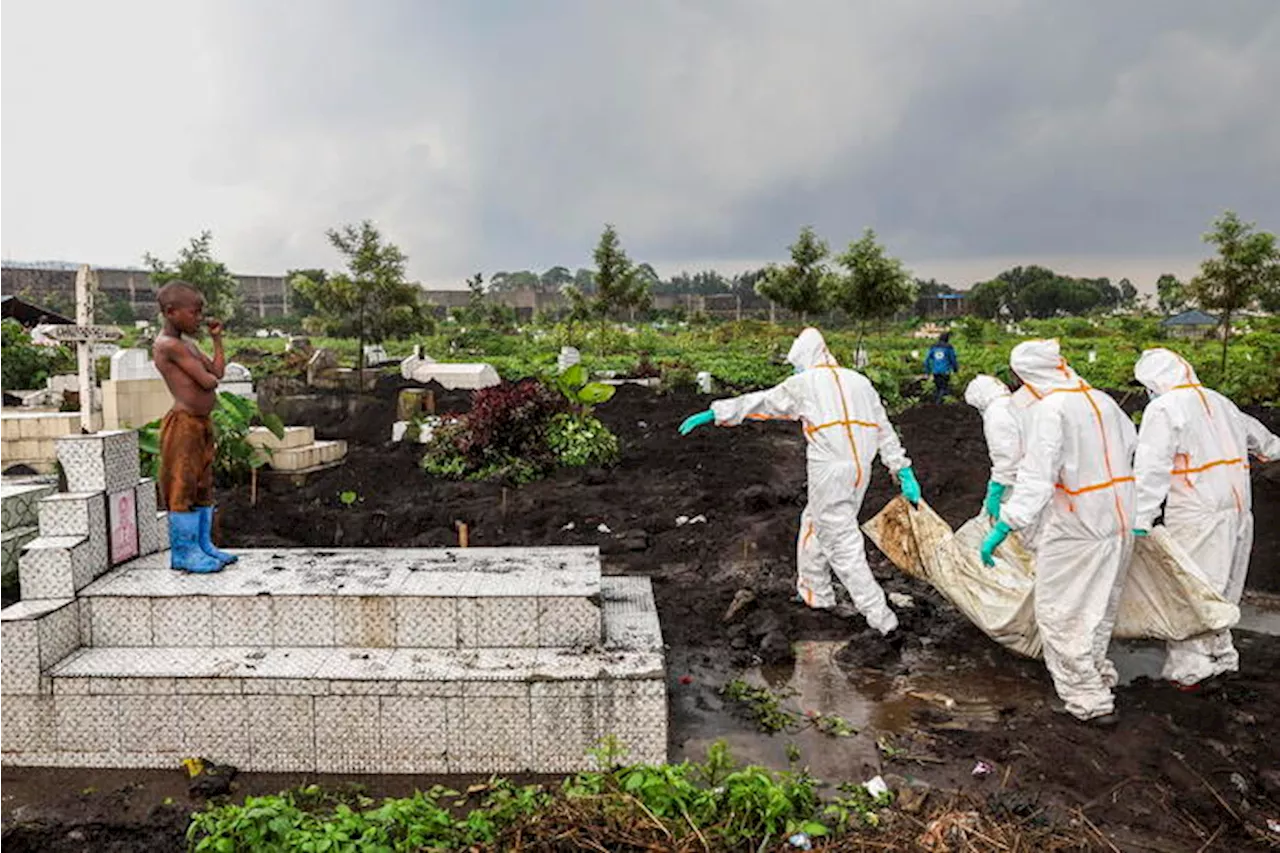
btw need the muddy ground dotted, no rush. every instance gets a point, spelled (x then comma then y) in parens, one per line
(1180, 772)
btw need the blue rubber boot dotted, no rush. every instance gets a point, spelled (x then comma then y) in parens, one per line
(185, 553)
(206, 537)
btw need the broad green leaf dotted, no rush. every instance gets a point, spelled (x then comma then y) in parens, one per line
(272, 422)
(575, 376)
(595, 393)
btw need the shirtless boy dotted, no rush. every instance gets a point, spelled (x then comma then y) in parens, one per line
(186, 435)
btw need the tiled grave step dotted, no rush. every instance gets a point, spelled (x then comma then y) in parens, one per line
(11, 544)
(35, 635)
(294, 436)
(382, 598)
(355, 710)
(18, 503)
(308, 456)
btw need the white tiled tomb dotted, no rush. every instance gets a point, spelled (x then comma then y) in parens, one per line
(345, 661)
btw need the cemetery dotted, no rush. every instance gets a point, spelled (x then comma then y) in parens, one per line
(388, 623)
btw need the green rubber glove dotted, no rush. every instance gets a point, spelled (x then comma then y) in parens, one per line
(992, 542)
(995, 493)
(694, 421)
(1137, 532)
(910, 488)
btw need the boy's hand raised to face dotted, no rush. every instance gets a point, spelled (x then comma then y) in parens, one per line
(215, 328)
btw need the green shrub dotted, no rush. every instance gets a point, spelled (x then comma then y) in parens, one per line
(580, 440)
(24, 365)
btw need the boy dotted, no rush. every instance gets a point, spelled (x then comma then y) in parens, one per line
(186, 436)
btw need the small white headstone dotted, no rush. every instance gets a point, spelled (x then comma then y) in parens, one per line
(133, 364)
(236, 372)
(569, 356)
(1093, 356)
(374, 355)
(704, 382)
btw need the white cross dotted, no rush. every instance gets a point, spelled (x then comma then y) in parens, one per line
(83, 334)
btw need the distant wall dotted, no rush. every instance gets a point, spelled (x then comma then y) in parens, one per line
(262, 295)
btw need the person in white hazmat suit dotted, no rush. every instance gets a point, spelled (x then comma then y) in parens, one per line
(1077, 468)
(1003, 433)
(1193, 456)
(846, 427)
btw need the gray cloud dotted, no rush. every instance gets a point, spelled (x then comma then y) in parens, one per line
(492, 135)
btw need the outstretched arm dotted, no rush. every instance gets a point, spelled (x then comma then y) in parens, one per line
(775, 403)
(1263, 443)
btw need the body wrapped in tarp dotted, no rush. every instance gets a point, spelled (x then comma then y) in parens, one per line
(1165, 597)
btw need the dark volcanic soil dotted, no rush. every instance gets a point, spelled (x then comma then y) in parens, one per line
(1181, 772)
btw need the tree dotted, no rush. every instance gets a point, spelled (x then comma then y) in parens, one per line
(371, 301)
(799, 286)
(506, 282)
(555, 278)
(299, 304)
(24, 364)
(197, 266)
(619, 284)
(1171, 294)
(876, 285)
(1247, 266)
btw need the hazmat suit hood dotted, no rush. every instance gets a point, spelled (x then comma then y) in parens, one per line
(1041, 367)
(810, 350)
(983, 391)
(1162, 370)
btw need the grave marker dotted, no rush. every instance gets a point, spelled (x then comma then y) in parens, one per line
(84, 334)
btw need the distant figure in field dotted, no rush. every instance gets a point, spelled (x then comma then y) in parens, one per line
(186, 435)
(940, 362)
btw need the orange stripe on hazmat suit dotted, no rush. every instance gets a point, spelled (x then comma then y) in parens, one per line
(186, 461)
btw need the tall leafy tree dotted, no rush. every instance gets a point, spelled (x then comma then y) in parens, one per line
(555, 278)
(620, 286)
(800, 286)
(371, 301)
(875, 285)
(1247, 265)
(1171, 294)
(197, 265)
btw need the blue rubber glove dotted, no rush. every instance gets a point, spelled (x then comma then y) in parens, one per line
(910, 488)
(995, 493)
(694, 421)
(1137, 532)
(992, 542)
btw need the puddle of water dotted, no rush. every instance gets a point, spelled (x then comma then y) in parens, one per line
(1262, 616)
(933, 693)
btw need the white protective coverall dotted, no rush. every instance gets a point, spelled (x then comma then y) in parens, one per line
(845, 426)
(1193, 449)
(1077, 469)
(1000, 427)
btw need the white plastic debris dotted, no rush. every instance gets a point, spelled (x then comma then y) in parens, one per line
(901, 599)
(603, 528)
(982, 768)
(704, 382)
(876, 786)
(682, 520)
(1273, 825)
(569, 526)
(800, 841)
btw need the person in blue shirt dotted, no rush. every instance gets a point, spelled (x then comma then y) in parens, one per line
(940, 362)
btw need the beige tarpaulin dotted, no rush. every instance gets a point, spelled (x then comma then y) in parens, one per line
(1164, 596)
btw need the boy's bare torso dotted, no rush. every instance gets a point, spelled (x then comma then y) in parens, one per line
(188, 395)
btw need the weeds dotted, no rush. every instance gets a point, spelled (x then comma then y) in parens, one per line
(764, 707)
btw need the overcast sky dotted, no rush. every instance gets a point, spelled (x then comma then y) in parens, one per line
(1096, 136)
